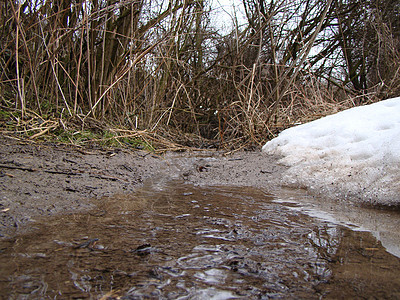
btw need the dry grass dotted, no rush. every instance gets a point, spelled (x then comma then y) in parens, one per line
(141, 74)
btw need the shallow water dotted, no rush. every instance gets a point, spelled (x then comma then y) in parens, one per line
(177, 241)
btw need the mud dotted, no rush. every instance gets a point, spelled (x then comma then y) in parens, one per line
(43, 179)
(127, 224)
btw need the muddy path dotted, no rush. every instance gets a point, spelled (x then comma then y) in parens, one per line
(94, 223)
(43, 179)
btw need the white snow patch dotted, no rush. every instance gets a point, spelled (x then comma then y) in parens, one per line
(353, 154)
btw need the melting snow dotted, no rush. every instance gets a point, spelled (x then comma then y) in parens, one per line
(353, 154)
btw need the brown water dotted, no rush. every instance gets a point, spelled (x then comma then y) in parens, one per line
(176, 241)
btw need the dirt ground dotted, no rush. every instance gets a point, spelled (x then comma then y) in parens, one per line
(43, 179)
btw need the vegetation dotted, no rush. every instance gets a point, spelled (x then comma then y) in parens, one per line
(154, 73)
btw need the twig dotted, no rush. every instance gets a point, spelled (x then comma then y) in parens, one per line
(97, 175)
(18, 168)
(43, 132)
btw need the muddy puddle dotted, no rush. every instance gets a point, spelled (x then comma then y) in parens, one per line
(177, 241)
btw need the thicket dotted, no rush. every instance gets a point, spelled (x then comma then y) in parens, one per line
(160, 69)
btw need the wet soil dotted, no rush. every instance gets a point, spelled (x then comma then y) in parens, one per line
(43, 179)
(119, 224)
(177, 241)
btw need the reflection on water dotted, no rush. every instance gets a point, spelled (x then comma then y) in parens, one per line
(383, 224)
(176, 241)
